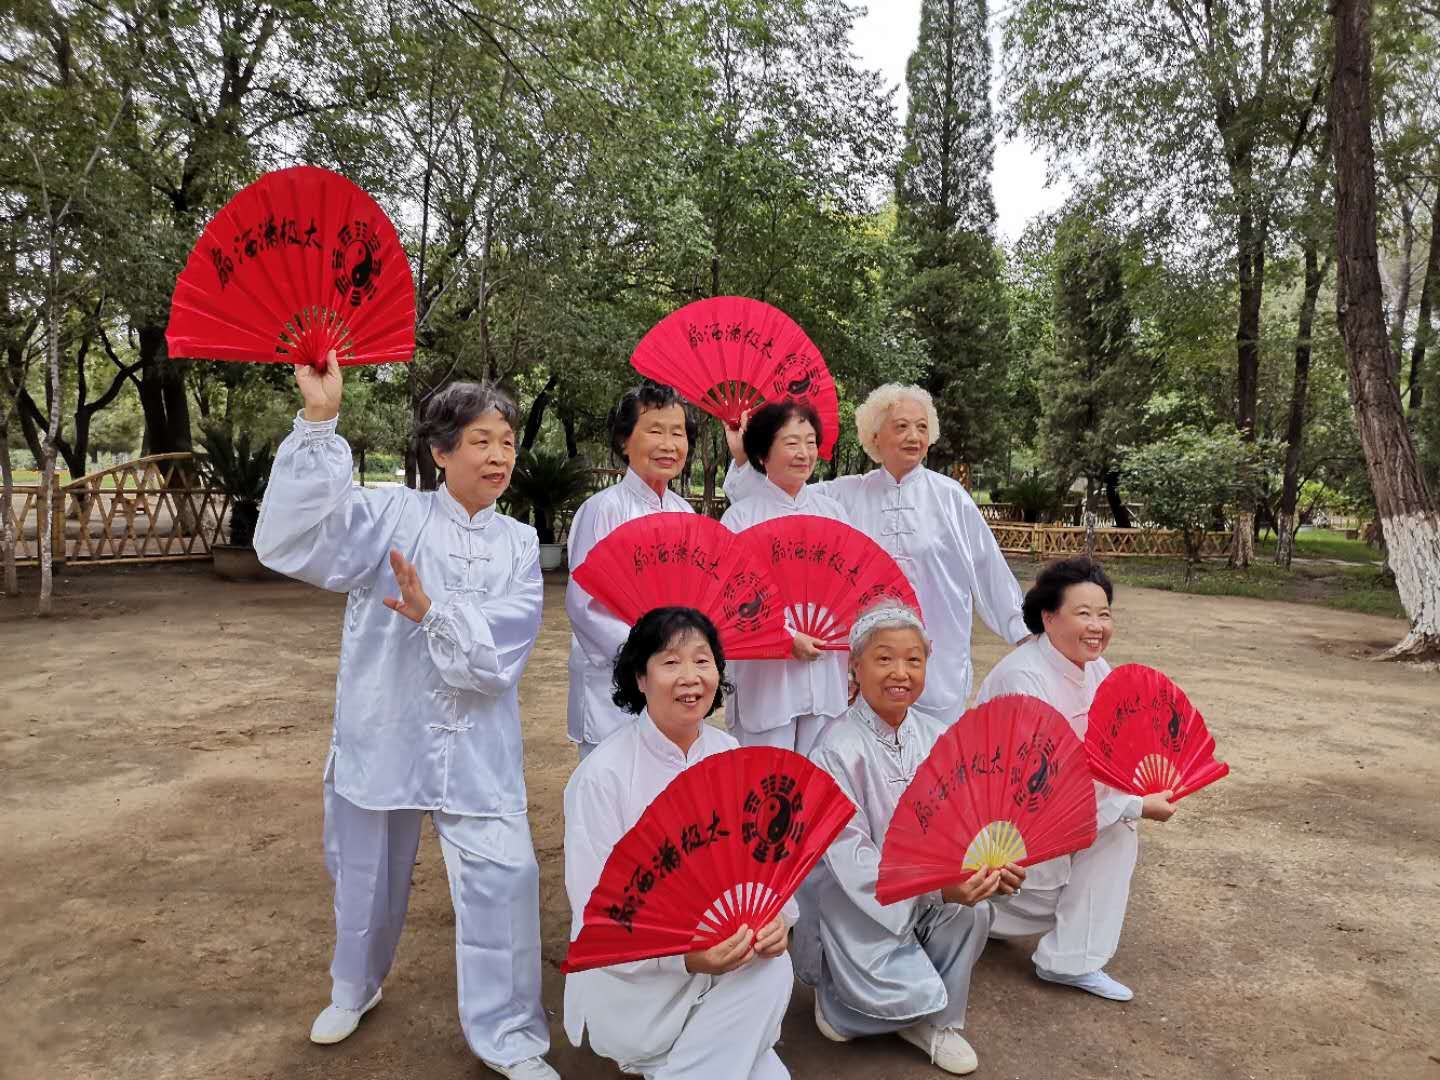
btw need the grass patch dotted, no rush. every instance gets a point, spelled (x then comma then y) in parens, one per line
(1359, 588)
(1324, 544)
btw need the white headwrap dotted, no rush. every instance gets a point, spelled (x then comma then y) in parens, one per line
(886, 615)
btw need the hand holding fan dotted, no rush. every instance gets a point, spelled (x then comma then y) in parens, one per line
(299, 263)
(1144, 736)
(729, 354)
(1006, 783)
(827, 573)
(725, 845)
(689, 560)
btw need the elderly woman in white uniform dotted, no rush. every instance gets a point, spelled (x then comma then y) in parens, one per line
(426, 715)
(651, 431)
(708, 1015)
(930, 525)
(904, 967)
(1076, 901)
(785, 703)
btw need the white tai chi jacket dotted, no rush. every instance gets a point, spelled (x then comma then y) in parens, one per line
(426, 715)
(596, 633)
(1038, 669)
(771, 693)
(634, 1009)
(934, 530)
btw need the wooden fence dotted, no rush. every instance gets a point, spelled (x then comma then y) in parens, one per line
(1059, 541)
(152, 509)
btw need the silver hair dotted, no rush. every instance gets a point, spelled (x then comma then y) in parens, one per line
(886, 615)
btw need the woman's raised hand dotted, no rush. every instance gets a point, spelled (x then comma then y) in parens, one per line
(773, 938)
(735, 438)
(981, 886)
(413, 602)
(320, 389)
(1158, 807)
(802, 647)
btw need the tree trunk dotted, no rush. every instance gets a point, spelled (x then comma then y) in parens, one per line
(572, 441)
(1407, 514)
(360, 454)
(162, 396)
(537, 413)
(1295, 429)
(44, 534)
(8, 536)
(1118, 509)
(1250, 243)
(1429, 291)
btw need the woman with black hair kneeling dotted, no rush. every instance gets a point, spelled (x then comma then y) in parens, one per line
(1077, 901)
(708, 1015)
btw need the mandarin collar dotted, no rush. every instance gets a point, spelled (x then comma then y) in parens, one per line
(892, 737)
(1060, 662)
(779, 495)
(458, 514)
(641, 490)
(659, 744)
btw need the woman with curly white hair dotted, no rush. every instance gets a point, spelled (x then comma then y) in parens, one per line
(931, 526)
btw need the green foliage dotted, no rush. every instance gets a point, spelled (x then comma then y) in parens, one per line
(1037, 497)
(241, 469)
(549, 484)
(1188, 478)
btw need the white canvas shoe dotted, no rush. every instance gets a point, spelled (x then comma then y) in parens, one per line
(336, 1024)
(824, 1025)
(947, 1047)
(1092, 982)
(535, 1068)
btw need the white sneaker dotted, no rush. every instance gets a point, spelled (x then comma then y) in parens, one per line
(947, 1047)
(1092, 982)
(534, 1068)
(336, 1024)
(824, 1025)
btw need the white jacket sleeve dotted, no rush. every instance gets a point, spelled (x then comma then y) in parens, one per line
(599, 631)
(592, 829)
(484, 647)
(314, 524)
(997, 593)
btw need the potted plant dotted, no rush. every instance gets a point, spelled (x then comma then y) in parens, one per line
(549, 484)
(241, 471)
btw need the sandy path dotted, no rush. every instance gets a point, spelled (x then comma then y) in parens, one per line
(167, 914)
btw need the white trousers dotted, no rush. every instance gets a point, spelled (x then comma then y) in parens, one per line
(1081, 919)
(495, 890)
(731, 1031)
(798, 735)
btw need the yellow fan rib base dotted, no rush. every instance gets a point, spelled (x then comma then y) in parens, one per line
(995, 845)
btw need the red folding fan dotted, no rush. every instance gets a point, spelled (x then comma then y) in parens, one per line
(689, 560)
(827, 573)
(297, 264)
(1144, 736)
(725, 845)
(1008, 782)
(730, 353)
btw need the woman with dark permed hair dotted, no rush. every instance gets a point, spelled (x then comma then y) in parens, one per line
(785, 703)
(443, 610)
(713, 1014)
(651, 430)
(1076, 901)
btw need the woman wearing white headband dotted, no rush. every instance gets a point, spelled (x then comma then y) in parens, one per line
(931, 526)
(903, 967)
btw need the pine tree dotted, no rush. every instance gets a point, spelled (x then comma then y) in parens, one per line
(946, 218)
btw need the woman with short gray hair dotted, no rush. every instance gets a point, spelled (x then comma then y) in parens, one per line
(443, 610)
(931, 526)
(900, 968)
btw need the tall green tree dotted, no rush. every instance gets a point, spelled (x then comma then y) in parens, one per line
(955, 295)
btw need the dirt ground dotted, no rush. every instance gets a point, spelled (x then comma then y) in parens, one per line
(166, 911)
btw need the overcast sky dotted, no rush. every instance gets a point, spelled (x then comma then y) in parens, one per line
(884, 39)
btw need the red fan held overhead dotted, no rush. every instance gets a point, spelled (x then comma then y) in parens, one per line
(730, 353)
(725, 845)
(827, 573)
(1144, 736)
(689, 560)
(1007, 783)
(297, 264)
